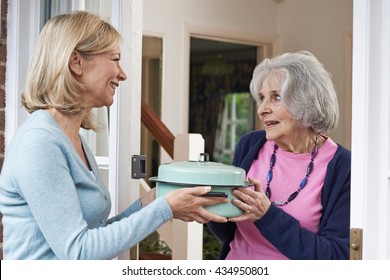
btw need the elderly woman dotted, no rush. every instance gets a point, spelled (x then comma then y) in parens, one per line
(299, 207)
(53, 200)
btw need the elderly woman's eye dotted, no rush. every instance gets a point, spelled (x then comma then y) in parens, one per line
(260, 99)
(277, 97)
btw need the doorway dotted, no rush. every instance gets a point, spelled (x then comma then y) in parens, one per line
(221, 107)
(151, 94)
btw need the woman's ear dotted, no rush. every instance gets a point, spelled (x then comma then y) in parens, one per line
(75, 63)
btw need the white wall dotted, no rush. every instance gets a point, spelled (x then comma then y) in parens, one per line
(315, 25)
(174, 19)
(323, 28)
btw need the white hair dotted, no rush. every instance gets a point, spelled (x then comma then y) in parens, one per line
(307, 91)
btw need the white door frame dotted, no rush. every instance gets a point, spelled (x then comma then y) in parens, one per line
(127, 17)
(21, 14)
(370, 182)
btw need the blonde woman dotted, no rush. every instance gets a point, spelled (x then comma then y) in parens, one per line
(52, 197)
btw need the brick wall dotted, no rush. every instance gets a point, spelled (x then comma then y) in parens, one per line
(3, 57)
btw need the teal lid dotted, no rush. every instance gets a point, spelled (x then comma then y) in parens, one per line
(201, 172)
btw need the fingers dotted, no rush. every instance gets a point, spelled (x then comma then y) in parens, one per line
(202, 216)
(243, 204)
(257, 184)
(245, 198)
(203, 199)
(210, 217)
(187, 204)
(254, 203)
(238, 219)
(217, 218)
(199, 190)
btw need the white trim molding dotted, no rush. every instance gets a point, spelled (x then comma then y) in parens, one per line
(20, 45)
(125, 118)
(370, 197)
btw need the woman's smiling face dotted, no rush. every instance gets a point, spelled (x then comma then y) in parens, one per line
(101, 76)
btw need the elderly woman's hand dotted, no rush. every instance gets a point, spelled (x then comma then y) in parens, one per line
(255, 203)
(187, 205)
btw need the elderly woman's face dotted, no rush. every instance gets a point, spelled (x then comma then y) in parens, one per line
(278, 124)
(101, 76)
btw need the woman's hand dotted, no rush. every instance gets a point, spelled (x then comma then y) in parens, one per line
(255, 203)
(148, 198)
(187, 205)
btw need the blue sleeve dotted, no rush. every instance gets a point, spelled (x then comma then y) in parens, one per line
(136, 206)
(44, 180)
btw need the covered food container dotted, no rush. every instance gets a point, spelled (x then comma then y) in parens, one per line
(222, 178)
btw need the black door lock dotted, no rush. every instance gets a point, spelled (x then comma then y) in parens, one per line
(138, 166)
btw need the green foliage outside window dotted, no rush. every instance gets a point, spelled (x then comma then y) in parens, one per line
(241, 119)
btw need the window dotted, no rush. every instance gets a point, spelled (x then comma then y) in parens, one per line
(237, 119)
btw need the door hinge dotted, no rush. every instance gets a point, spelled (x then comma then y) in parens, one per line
(356, 244)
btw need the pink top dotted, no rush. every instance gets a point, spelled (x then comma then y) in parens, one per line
(306, 207)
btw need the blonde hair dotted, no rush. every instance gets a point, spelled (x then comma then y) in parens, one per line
(50, 82)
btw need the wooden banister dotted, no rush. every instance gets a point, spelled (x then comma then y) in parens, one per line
(159, 130)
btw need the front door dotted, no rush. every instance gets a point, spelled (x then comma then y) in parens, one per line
(370, 198)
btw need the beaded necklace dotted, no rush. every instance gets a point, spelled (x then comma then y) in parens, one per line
(303, 182)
